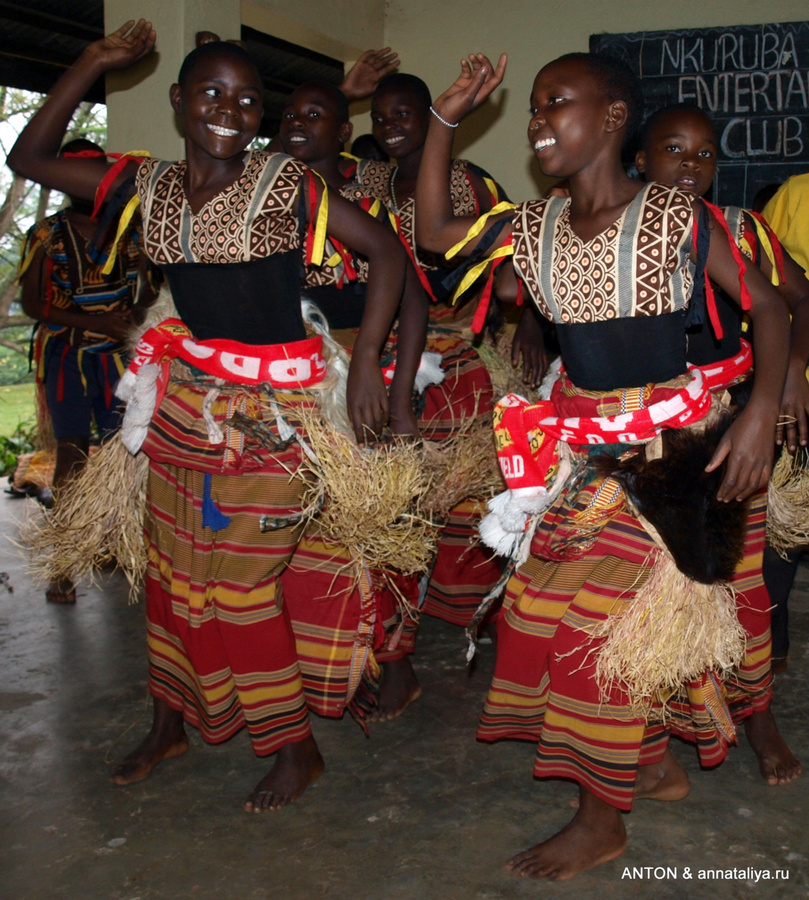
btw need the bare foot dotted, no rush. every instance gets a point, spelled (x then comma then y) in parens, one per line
(61, 592)
(595, 835)
(398, 690)
(297, 765)
(666, 780)
(775, 760)
(166, 740)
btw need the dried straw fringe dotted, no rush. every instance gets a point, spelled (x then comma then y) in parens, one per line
(464, 467)
(496, 355)
(371, 496)
(788, 502)
(383, 503)
(96, 522)
(670, 633)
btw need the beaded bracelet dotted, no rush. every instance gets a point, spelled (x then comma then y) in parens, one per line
(444, 121)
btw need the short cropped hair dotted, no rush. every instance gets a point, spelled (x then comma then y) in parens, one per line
(337, 96)
(400, 81)
(655, 118)
(618, 82)
(214, 48)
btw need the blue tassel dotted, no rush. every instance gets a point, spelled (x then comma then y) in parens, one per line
(212, 516)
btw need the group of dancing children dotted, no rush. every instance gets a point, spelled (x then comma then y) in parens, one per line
(618, 266)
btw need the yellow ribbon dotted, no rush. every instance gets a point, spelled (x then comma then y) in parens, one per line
(321, 225)
(479, 225)
(26, 260)
(123, 224)
(472, 275)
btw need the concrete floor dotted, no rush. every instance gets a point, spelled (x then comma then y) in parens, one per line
(418, 811)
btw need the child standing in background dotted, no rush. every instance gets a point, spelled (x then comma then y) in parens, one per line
(679, 148)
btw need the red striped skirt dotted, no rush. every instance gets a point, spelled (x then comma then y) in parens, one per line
(221, 649)
(345, 620)
(544, 685)
(464, 570)
(330, 614)
(749, 689)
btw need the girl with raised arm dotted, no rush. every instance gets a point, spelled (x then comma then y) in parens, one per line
(223, 225)
(613, 267)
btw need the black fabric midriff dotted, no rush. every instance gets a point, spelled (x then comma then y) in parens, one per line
(256, 302)
(703, 345)
(342, 306)
(623, 353)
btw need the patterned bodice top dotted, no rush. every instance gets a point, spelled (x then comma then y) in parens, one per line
(378, 180)
(638, 266)
(334, 272)
(234, 267)
(251, 219)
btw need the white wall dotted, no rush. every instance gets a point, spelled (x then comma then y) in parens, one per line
(533, 32)
(337, 28)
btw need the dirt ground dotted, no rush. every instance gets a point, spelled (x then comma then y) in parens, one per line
(419, 810)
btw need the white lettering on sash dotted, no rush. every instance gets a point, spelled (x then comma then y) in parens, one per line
(197, 350)
(241, 366)
(513, 466)
(290, 371)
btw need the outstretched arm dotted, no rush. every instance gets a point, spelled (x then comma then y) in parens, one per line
(748, 444)
(436, 228)
(35, 154)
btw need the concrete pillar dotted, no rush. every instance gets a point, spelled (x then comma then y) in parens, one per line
(138, 110)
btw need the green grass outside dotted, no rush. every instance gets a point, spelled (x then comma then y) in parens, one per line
(16, 405)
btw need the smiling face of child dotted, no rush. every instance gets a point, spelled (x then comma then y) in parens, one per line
(569, 110)
(220, 106)
(400, 121)
(680, 149)
(312, 128)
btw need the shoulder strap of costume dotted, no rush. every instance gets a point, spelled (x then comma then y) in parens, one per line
(318, 218)
(769, 243)
(123, 224)
(745, 301)
(467, 274)
(478, 226)
(122, 160)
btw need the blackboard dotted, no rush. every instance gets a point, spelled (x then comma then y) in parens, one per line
(752, 80)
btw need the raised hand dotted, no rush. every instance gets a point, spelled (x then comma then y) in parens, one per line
(472, 88)
(367, 72)
(125, 46)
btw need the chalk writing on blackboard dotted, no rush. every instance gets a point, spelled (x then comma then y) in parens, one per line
(753, 80)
